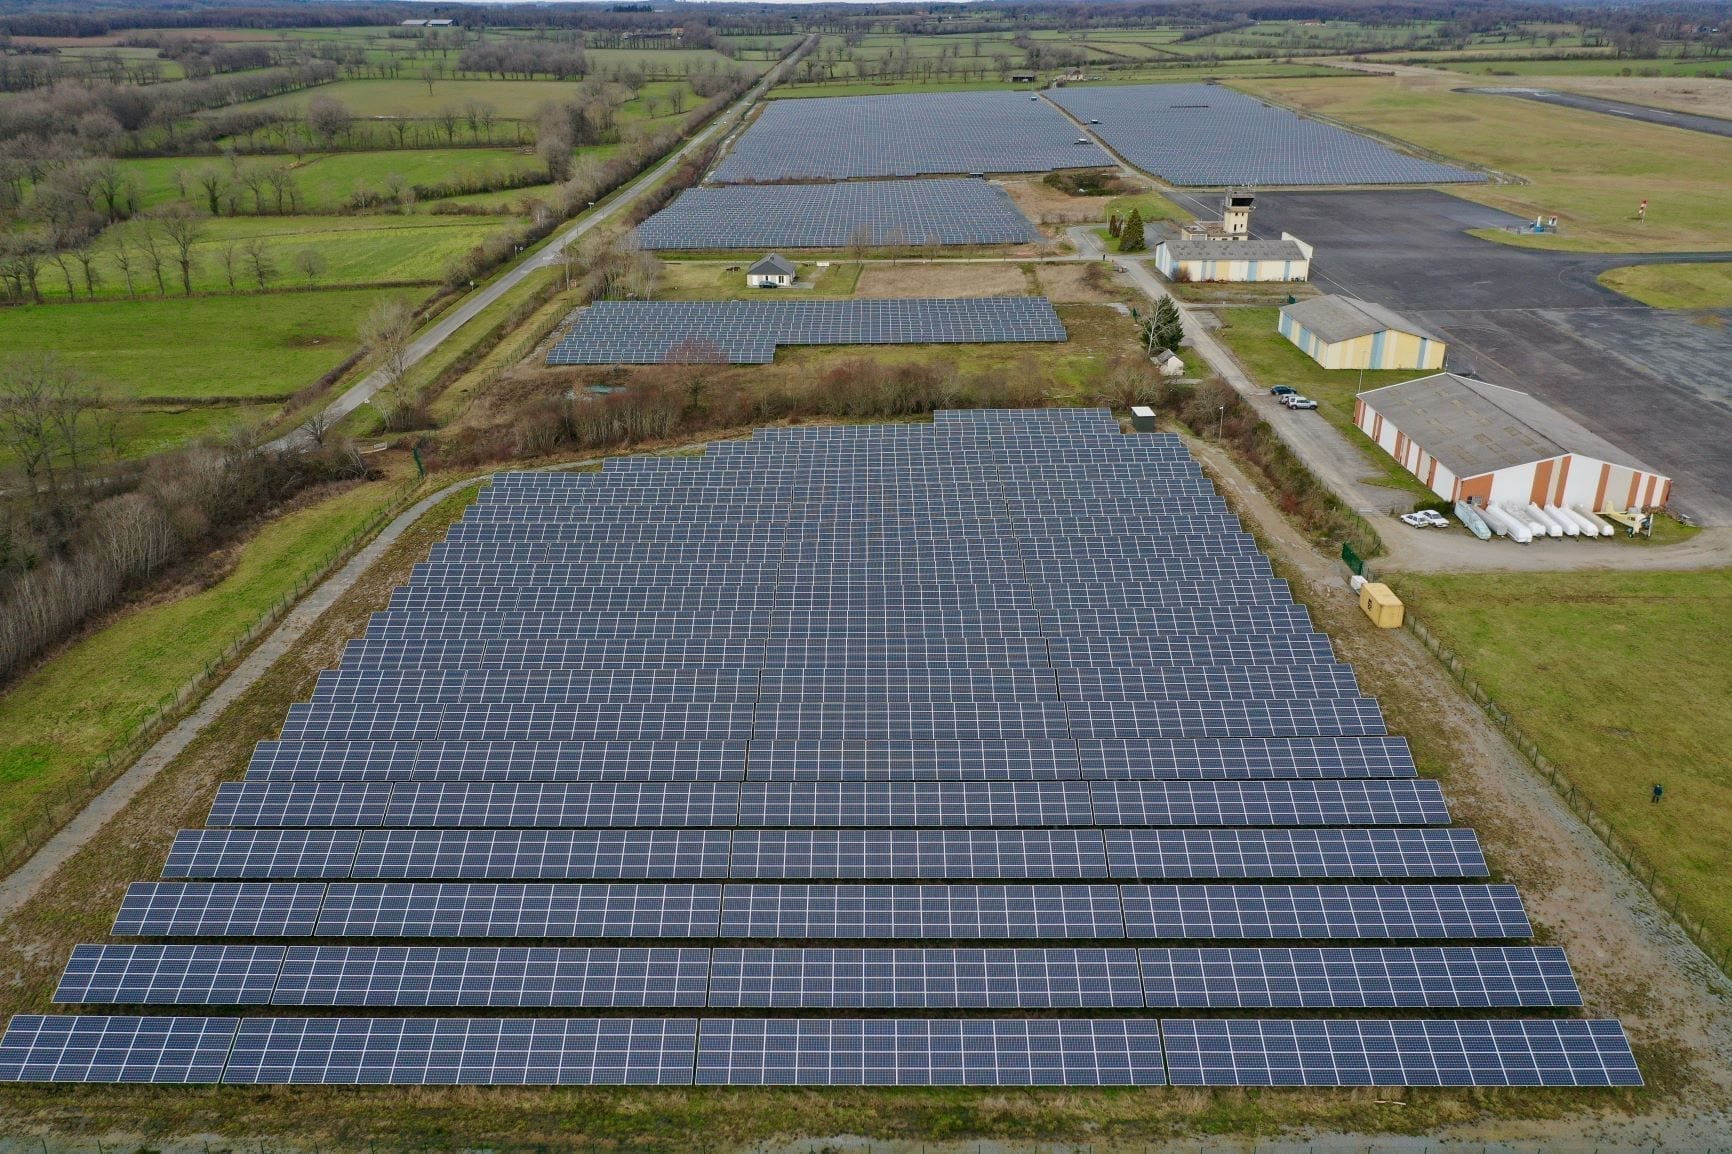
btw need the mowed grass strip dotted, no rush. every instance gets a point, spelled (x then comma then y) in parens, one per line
(1621, 680)
(1590, 169)
(204, 346)
(1271, 359)
(58, 721)
(1674, 286)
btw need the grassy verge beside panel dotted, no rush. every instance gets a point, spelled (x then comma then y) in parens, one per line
(61, 721)
(1674, 286)
(1620, 680)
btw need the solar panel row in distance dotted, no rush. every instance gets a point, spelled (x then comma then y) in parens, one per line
(1204, 134)
(875, 213)
(749, 332)
(911, 134)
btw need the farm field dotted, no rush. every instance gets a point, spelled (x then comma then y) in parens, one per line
(1516, 65)
(235, 347)
(1619, 679)
(1674, 286)
(1271, 359)
(353, 250)
(325, 182)
(511, 99)
(1588, 168)
(64, 715)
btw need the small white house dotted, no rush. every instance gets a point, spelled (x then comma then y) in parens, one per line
(772, 271)
(1169, 364)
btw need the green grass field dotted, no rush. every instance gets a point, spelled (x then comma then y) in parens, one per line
(1620, 678)
(1590, 169)
(511, 99)
(327, 181)
(694, 281)
(1272, 359)
(60, 718)
(217, 346)
(1588, 66)
(1674, 286)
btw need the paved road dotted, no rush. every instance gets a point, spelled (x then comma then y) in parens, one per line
(1713, 125)
(431, 338)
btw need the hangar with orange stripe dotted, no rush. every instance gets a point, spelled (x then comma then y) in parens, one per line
(1470, 440)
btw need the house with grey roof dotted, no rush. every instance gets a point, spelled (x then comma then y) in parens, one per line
(772, 271)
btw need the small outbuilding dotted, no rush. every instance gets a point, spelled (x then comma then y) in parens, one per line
(1190, 258)
(1345, 333)
(1470, 440)
(1169, 364)
(772, 271)
(1023, 77)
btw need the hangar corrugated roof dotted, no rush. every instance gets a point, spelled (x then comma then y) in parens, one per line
(1475, 427)
(1189, 249)
(1338, 318)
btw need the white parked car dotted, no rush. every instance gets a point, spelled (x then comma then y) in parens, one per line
(1425, 519)
(1296, 401)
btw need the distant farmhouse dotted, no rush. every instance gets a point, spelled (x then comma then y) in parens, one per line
(1224, 250)
(772, 271)
(1343, 333)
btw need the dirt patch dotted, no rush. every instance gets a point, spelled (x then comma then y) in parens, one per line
(1080, 283)
(942, 280)
(1044, 204)
(1706, 97)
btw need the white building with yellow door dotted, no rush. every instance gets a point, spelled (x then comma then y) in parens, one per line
(1344, 333)
(1189, 258)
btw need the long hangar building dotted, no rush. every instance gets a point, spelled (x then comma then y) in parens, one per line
(1470, 440)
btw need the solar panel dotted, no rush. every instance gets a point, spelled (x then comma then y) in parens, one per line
(929, 1052)
(910, 134)
(501, 910)
(492, 976)
(1324, 911)
(925, 979)
(1458, 977)
(748, 332)
(876, 213)
(463, 1051)
(999, 713)
(1416, 1052)
(170, 975)
(97, 1048)
(1294, 853)
(1197, 134)
(220, 909)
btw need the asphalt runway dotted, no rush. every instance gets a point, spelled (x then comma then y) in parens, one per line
(1713, 125)
(1656, 383)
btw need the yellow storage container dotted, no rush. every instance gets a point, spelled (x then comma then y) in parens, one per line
(1380, 604)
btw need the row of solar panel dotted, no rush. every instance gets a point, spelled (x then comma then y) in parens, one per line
(1457, 977)
(1232, 758)
(839, 721)
(1031, 682)
(887, 601)
(913, 653)
(828, 804)
(822, 912)
(817, 1052)
(742, 855)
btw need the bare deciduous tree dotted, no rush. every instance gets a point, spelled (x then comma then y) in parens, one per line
(387, 331)
(311, 263)
(183, 230)
(259, 262)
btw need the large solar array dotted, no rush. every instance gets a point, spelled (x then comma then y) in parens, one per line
(912, 134)
(975, 753)
(1204, 134)
(748, 332)
(874, 212)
